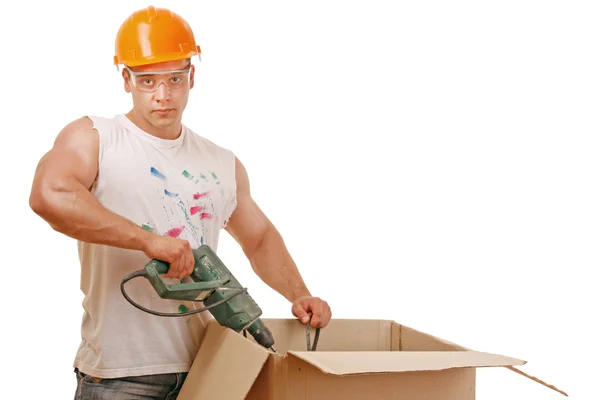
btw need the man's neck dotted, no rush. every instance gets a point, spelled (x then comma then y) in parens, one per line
(169, 133)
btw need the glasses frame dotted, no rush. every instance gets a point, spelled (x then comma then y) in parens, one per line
(135, 74)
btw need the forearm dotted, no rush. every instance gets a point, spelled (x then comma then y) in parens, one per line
(274, 265)
(71, 209)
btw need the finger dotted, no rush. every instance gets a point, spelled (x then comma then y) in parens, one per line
(171, 270)
(192, 263)
(315, 322)
(326, 318)
(180, 268)
(175, 269)
(299, 312)
(183, 269)
(182, 263)
(189, 264)
(317, 317)
(185, 261)
(325, 315)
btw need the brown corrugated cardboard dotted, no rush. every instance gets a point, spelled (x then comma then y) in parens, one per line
(364, 362)
(354, 359)
(225, 367)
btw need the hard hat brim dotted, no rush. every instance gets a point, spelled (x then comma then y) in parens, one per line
(136, 62)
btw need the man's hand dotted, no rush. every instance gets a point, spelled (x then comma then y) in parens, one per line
(305, 305)
(176, 252)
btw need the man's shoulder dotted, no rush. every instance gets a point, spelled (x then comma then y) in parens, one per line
(89, 123)
(104, 120)
(82, 124)
(207, 143)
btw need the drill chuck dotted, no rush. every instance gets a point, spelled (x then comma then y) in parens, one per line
(261, 334)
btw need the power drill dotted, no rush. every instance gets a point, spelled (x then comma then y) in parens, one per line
(214, 285)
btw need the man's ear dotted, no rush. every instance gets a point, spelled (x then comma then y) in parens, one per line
(192, 70)
(126, 83)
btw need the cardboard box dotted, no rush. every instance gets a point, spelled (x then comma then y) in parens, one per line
(354, 359)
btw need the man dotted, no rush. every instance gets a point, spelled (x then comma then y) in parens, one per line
(140, 186)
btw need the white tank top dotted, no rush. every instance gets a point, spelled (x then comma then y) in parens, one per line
(184, 188)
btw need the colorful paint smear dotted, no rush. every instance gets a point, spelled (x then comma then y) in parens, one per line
(189, 176)
(157, 173)
(148, 228)
(194, 210)
(199, 195)
(215, 178)
(175, 232)
(180, 212)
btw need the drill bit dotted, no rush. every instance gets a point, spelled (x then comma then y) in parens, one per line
(274, 350)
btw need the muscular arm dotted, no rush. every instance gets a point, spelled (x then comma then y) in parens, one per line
(262, 243)
(61, 195)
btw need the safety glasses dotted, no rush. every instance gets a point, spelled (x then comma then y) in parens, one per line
(149, 81)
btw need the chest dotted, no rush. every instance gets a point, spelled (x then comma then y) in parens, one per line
(179, 192)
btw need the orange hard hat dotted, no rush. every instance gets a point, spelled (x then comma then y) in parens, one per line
(153, 35)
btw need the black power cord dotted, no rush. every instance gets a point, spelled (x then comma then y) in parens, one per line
(314, 345)
(142, 273)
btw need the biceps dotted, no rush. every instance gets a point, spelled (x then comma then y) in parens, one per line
(63, 171)
(248, 224)
(73, 160)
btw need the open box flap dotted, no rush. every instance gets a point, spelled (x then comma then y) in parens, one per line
(368, 362)
(412, 340)
(538, 380)
(225, 367)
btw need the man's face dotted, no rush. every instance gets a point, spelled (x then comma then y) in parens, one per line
(160, 91)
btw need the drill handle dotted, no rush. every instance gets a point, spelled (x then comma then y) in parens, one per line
(158, 266)
(194, 291)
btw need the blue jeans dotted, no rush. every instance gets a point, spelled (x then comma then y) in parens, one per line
(161, 386)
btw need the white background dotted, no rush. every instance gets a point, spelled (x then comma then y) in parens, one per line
(434, 163)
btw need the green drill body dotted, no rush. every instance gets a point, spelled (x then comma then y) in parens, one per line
(212, 283)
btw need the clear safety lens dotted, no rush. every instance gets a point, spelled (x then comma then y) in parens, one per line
(150, 81)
